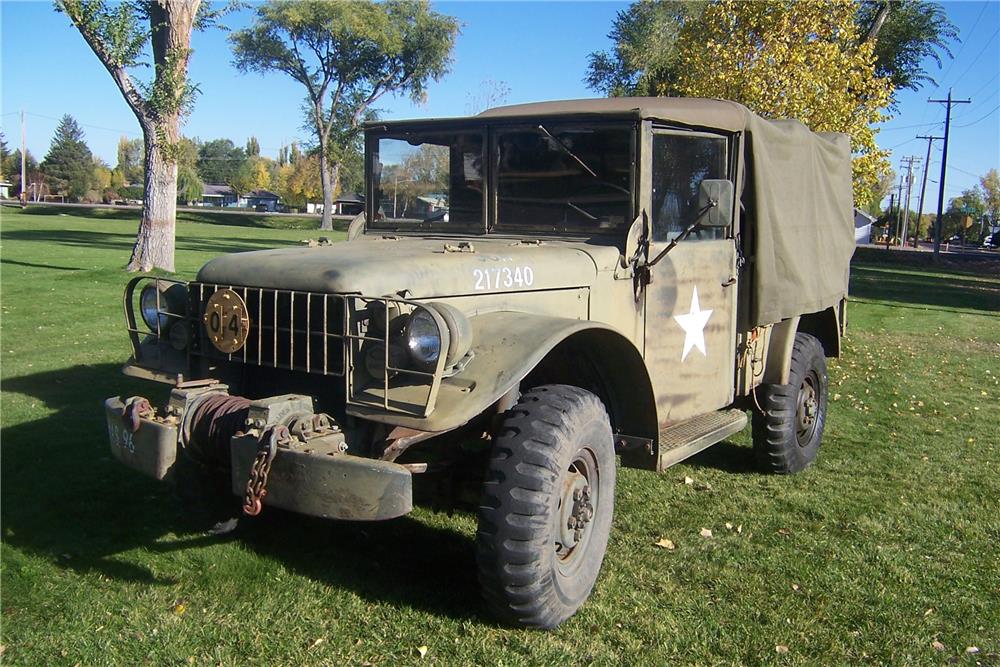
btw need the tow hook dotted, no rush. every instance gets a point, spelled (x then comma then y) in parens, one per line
(135, 408)
(267, 449)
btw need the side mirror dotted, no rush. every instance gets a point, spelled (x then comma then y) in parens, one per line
(715, 198)
(636, 235)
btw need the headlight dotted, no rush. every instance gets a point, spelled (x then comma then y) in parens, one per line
(423, 338)
(423, 335)
(160, 310)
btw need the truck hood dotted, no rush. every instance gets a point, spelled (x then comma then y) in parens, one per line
(424, 268)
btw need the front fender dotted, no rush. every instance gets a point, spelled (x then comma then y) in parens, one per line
(507, 346)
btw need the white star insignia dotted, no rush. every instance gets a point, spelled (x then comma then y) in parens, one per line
(694, 326)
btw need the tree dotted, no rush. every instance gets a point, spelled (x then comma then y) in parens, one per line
(12, 171)
(787, 59)
(990, 188)
(970, 206)
(906, 34)
(219, 160)
(644, 59)
(119, 34)
(130, 163)
(253, 174)
(491, 94)
(69, 164)
(253, 147)
(4, 156)
(347, 55)
(299, 182)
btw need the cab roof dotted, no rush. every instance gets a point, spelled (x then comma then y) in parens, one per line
(690, 111)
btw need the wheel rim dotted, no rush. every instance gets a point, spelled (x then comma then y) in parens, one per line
(576, 509)
(807, 409)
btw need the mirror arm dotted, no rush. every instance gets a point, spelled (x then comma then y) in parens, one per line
(684, 234)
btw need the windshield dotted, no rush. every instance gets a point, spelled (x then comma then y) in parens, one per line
(428, 179)
(555, 178)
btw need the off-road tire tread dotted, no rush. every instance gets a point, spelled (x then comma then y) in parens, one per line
(512, 538)
(774, 440)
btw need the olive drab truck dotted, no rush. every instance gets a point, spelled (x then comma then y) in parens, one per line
(532, 296)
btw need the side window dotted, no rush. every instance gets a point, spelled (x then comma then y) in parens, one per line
(680, 164)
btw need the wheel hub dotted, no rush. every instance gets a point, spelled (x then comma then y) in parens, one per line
(807, 409)
(576, 512)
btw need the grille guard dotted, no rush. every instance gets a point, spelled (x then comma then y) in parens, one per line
(337, 331)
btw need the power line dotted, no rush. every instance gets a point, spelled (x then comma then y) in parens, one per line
(962, 47)
(980, 55)
(976, 122)
(909, 127)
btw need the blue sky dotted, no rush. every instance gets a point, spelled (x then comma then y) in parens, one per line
(538, 49)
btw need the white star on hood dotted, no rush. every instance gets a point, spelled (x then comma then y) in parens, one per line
(693, 324)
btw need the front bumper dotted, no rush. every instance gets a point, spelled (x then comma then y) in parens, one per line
(308, 475)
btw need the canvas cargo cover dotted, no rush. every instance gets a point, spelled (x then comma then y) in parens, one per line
(802, 212)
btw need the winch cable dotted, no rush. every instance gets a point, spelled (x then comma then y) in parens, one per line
(213, 421)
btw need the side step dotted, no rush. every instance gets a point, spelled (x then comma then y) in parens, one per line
(689, 437)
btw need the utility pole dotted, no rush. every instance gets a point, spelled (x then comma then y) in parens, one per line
(888, 234)
(949, 103)
(923, 185)
(24, 180)
(899, 209)
(908, 162)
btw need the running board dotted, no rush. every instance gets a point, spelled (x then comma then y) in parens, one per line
(689, 437)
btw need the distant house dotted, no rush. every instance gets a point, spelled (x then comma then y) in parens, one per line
(4, 189)
(349, 203)
(862, 227)
(218, 195)
(260, 200)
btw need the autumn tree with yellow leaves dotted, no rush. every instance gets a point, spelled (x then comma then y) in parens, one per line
(814, 61)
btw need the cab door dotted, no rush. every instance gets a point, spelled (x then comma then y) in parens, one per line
(690, 323)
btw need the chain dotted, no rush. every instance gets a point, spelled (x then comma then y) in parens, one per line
(267, 449)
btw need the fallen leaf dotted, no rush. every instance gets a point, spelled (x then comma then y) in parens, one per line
(729, 526)
(795, 587)
(665, 544)
(319, 640)
(938, 646)
(781, 649)
(422, 650)
(928, 612)
(705, 532)
(179, 609)
(688, 481)
(972, 649)
(703, 486)
(784, 531)
(739, 529)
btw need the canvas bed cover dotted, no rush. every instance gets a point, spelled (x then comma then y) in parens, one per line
(799, 199)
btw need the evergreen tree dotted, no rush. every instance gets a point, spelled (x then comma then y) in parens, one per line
(253, 147)
(69, 164)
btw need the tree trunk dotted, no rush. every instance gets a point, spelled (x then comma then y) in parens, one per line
(328, 177)
(154, 244)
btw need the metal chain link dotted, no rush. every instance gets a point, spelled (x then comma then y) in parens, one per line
(267, 449)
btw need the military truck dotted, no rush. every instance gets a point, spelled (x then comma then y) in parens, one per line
(532, 295)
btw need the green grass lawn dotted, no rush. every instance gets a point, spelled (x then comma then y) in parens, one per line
(890, 543)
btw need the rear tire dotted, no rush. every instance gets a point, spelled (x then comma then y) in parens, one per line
(546, 508)
(787, 435)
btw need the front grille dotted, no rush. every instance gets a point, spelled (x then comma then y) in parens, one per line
(289, 329)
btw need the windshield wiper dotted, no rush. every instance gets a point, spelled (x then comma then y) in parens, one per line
(580, 161)
(567, 150)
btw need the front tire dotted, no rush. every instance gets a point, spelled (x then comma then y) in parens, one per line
(547, 505)
(787, 434)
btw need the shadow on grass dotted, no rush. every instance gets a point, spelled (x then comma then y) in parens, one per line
(924, 290)
(206, 217)
(125, 241)
(66, 500)
(727, 457)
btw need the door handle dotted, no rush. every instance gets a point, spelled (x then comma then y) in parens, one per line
(730, 282)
